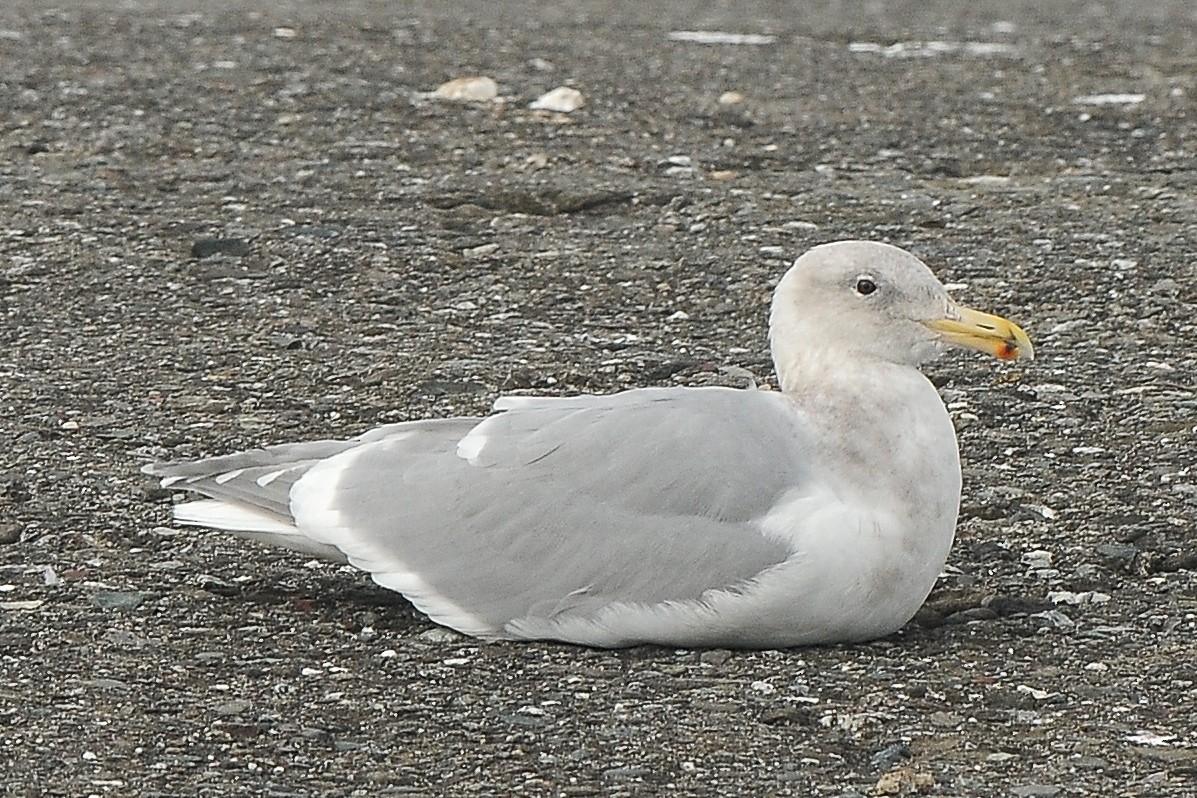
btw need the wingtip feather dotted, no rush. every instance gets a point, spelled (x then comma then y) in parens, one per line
(231, 517)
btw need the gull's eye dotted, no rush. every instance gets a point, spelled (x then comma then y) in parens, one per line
(865, 286)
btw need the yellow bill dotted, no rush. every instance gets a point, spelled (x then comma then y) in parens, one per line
(984, 332)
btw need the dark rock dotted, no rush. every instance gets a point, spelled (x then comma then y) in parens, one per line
(9, 533)
(974, 614)
(929, 617)
(1006, 698)
(993, 550)
(1122, 553)
(797, 716)
(889, 756)
(15, 643)
(207, 247)
(242, 731)
(1005, 606)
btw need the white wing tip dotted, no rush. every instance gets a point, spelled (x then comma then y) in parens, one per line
(221, 515)
(220, 479)
(266, 479)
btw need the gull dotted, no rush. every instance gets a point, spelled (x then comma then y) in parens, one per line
(687, 517)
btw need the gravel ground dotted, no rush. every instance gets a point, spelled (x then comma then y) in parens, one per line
(230, 223)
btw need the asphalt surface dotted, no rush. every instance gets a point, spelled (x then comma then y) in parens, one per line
(227, 224)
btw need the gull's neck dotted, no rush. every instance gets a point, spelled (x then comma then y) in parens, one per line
(868, 411)
(803, 366)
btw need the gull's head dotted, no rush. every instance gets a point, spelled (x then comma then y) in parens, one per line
(864, 300)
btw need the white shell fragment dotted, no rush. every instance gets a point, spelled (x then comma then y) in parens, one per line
(562, 100)
(1109, 99)
(720, 37)
(930, 49)
(475, 89)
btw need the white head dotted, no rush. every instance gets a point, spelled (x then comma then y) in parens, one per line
(864, 300)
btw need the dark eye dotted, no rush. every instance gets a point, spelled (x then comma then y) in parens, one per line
(865, 286)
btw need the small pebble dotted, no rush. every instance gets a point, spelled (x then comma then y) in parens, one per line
(481, 251)
(108, 684)
(1034, 692)
(715, 657)
(561, 100)
(19, 606)
(1076, 599)
(235, 707)
(440, 634)
(474, 89)
(625, 774)
(118, 599)
(1039, 558)
(904, 781)
(945, 719)
(1054, 619)
(1035, 791)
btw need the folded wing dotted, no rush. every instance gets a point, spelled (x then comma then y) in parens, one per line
(548, 512)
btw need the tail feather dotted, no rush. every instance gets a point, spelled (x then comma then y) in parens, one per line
(231, 517)
(248, 523)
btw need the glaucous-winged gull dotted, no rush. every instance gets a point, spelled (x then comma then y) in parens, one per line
(677, 516)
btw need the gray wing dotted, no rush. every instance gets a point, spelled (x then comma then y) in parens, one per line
(555, 509)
